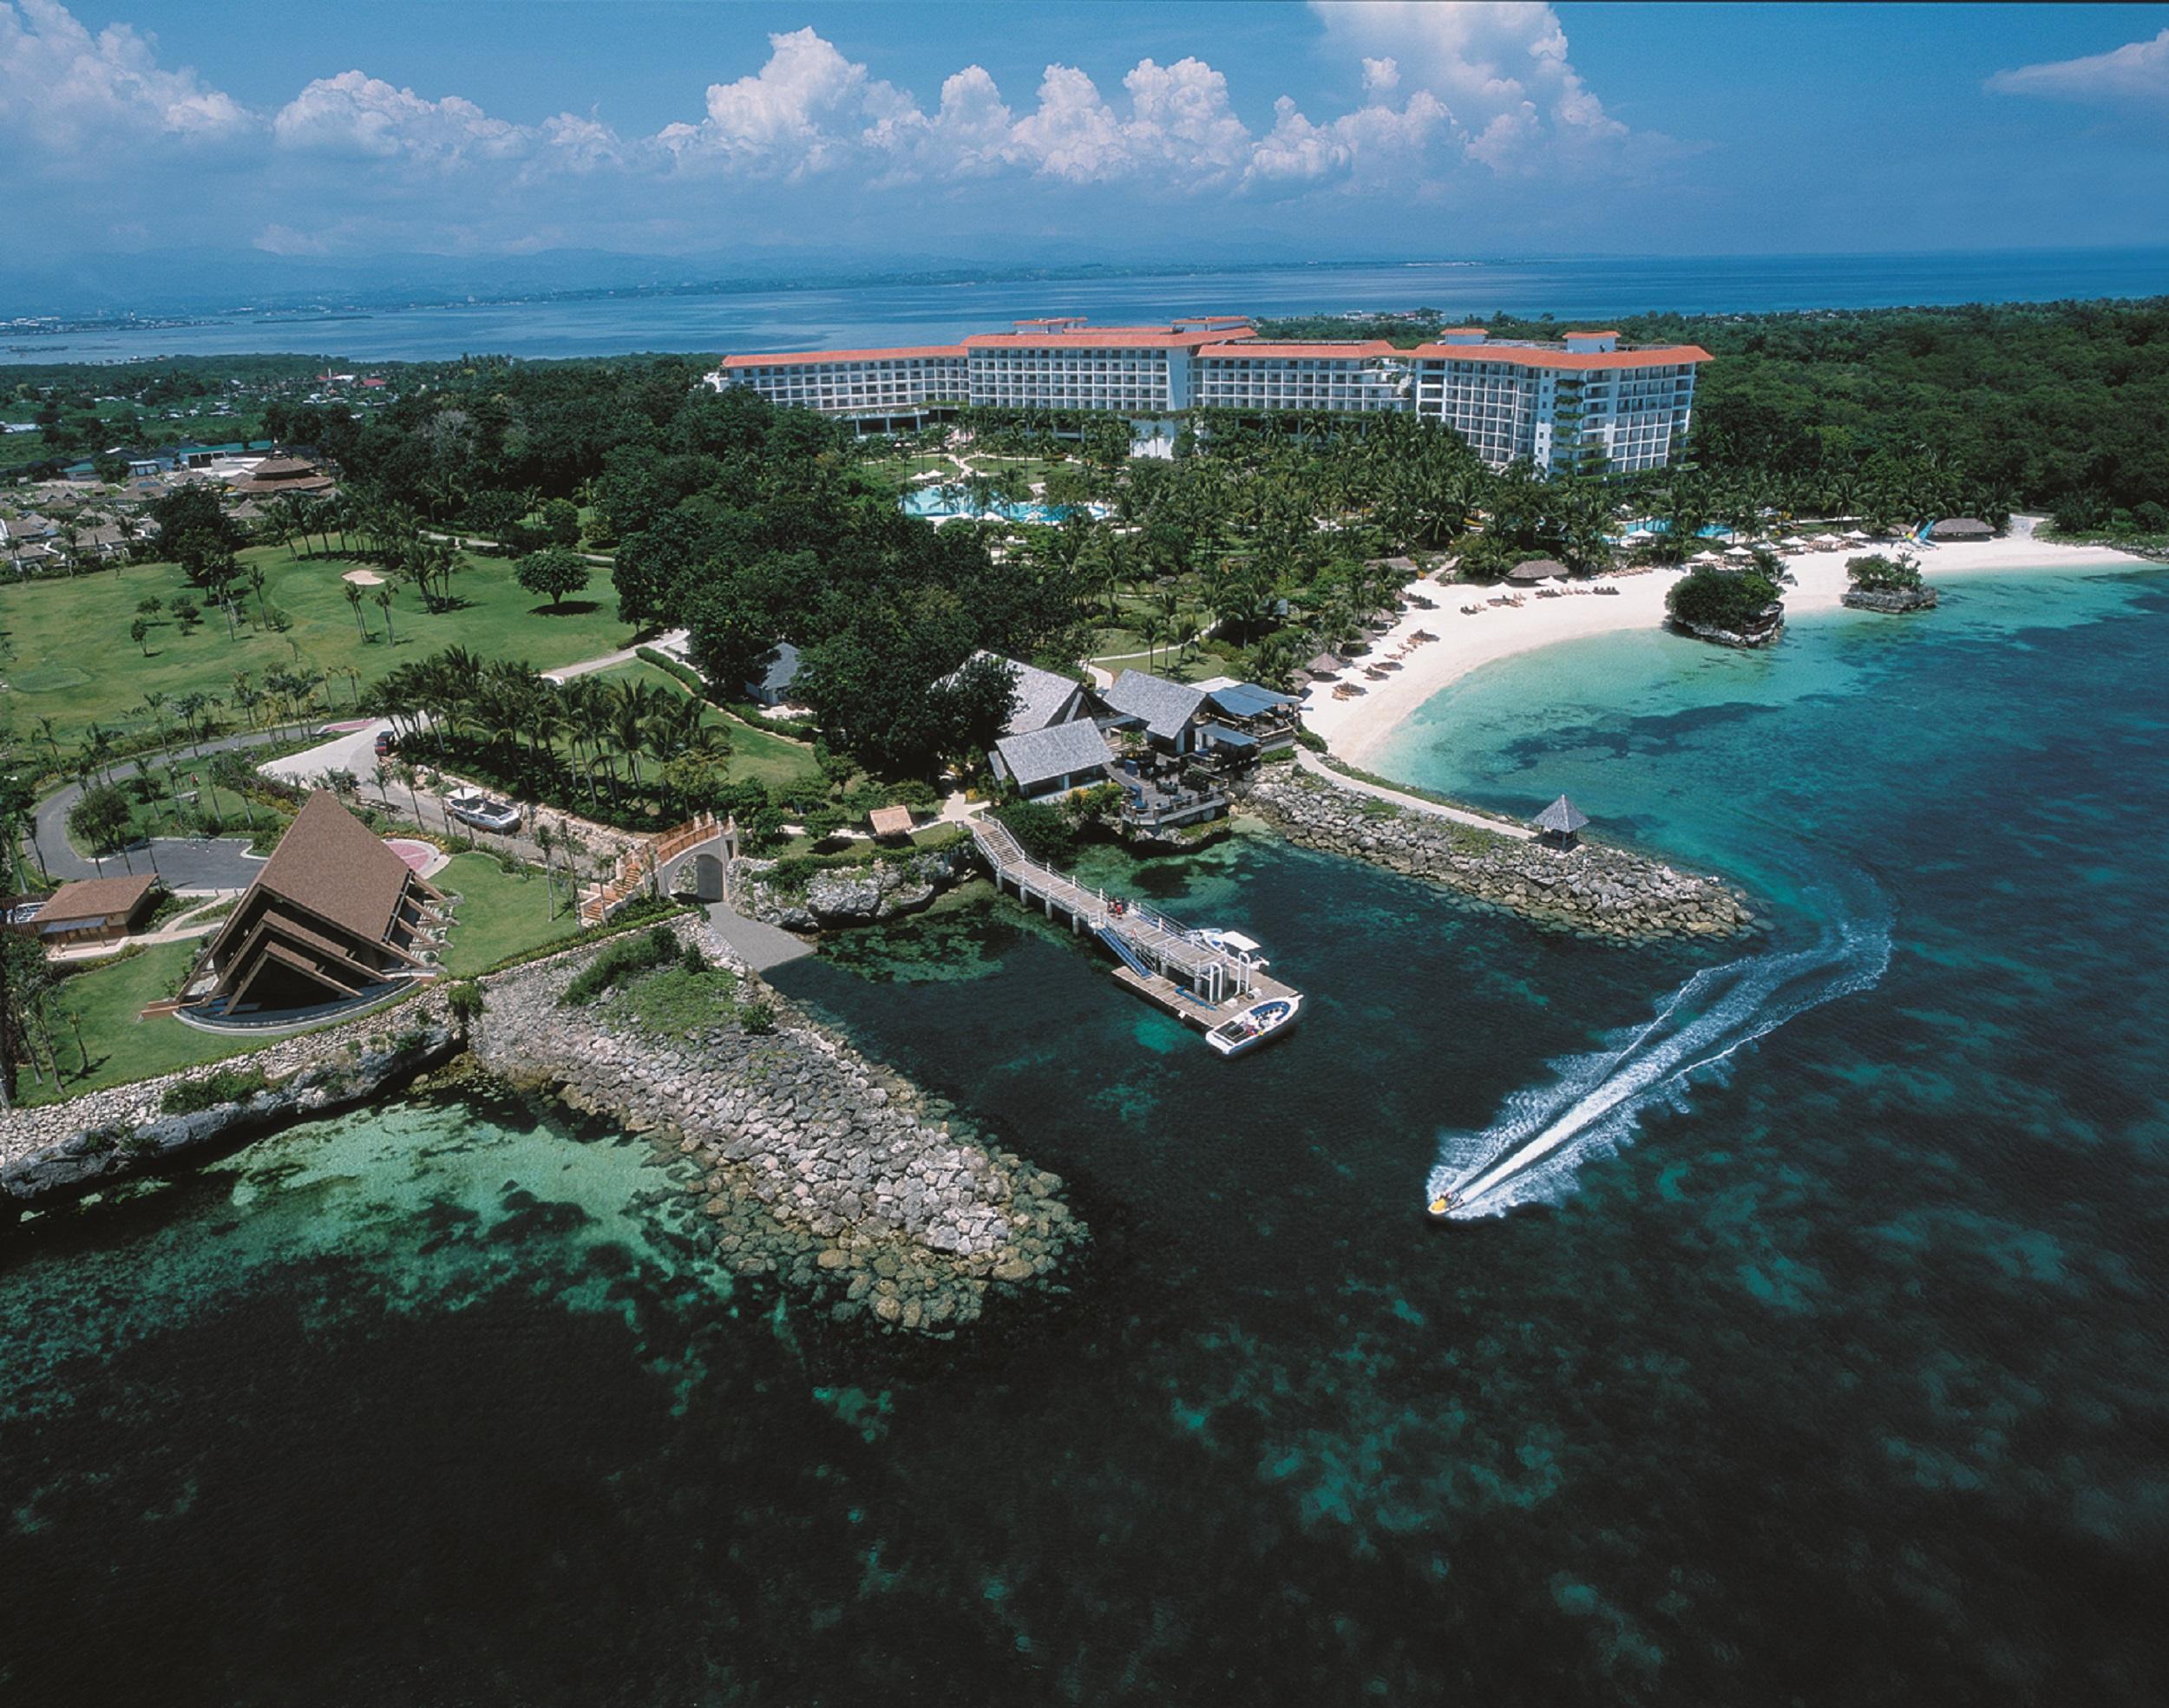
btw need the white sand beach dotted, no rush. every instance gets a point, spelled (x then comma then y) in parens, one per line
(1355, 729)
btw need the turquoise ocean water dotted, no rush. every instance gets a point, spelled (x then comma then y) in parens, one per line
(1820, 1360)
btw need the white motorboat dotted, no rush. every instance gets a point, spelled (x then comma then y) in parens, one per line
(1257, 1024)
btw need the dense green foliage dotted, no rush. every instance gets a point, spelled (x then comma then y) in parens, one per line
(1876, 573)
(624, 958)
(1740, 603)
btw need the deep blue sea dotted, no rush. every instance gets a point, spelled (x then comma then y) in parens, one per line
(1822, 1362)
(856, 315)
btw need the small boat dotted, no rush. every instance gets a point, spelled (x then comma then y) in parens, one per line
(1442, 1207)
(1256, 1024)
(1244, 949)
(471, 806)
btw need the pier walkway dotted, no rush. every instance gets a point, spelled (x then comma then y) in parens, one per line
(1414, 803)
(1187, 972)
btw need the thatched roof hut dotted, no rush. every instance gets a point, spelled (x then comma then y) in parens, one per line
(1537, 569)
(1962, 528)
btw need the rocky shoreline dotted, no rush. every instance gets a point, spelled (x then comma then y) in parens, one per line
(1746, 639)
(1895, 600)
(1594, 889)
(849, 893)
(819, 1167)
(56, 1152)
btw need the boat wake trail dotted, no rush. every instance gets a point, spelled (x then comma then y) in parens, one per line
(1543, 1135)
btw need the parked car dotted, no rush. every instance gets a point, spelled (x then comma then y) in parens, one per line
(471, 806)
(386, 744)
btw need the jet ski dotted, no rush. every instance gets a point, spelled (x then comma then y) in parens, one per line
(1442, 1207)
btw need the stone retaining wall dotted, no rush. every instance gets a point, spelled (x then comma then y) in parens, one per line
(1595, 889)
(819, 1167)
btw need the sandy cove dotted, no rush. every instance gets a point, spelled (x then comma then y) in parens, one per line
(1356, 729)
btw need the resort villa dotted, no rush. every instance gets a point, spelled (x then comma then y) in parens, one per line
(334, 916)
(1165, 743)
(1580, 402)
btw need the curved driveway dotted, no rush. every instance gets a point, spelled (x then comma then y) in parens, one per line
(185, 862)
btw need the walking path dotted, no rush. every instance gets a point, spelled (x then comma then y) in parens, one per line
(761, 946)
(625, 655)
(1414, 803)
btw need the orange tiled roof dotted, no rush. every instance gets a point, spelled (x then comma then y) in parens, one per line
(1521, 356)
(794, 358)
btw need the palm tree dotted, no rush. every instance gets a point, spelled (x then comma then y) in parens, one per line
(354, 602)
(383, 604)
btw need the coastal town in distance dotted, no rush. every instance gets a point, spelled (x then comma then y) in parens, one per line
(822, 879)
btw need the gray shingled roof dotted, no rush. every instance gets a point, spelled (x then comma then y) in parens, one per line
(1039, 697)
(1164, 707)
(1041, 755)
(1561, 818)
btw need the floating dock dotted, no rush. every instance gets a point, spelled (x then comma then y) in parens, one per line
(1221, 990)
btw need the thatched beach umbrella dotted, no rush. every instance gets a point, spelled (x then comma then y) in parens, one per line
(1559, 821)
(1537, 569)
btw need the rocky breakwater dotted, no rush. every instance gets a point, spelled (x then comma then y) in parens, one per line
(1594, 889)
(809, 894)
(818, 1167)
(59, 1151)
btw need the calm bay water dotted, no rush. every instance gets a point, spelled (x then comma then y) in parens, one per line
(1837, 1376)
(855, 316)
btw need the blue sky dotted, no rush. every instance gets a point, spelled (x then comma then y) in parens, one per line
(1112, 131)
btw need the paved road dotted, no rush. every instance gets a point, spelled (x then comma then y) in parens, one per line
(1415, 803)
(186, 863)
(761, 946)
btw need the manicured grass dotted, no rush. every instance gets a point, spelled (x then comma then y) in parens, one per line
(499, 914)
(759, 754)
(108, 1000)
(75, 663)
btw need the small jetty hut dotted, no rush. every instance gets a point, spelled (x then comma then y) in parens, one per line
(1537, 569)
(1559, 823)
(1962, 528)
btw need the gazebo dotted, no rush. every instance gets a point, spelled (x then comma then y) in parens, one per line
(1558, 823)
(1537, 569)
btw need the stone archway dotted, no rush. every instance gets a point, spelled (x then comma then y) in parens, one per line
(708, 878)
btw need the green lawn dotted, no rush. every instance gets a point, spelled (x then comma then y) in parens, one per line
(107, 1000)
(499, 914)
(74, 662)
(759, 754)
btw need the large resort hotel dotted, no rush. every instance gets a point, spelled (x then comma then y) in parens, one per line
(1582, 402)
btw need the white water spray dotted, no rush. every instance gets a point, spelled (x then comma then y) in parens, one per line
(1544, 1135)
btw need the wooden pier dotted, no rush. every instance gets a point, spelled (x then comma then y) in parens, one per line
(1175, 969)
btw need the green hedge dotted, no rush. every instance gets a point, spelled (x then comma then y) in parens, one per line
(227, 1085)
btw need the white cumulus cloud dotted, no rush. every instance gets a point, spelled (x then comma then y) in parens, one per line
(1501, 69)
(62, 87)
(2137, 73)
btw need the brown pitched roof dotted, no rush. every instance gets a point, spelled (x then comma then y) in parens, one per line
(97, 899)
(332, 864)
(891, 821)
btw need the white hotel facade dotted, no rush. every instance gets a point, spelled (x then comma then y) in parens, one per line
(1580, 402)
